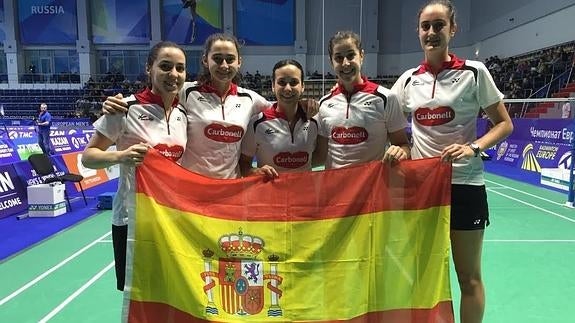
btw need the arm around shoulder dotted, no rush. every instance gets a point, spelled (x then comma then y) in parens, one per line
(114, 104)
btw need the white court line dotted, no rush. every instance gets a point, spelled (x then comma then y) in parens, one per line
(106, 241)
(76, 293)
(529, 241)
(526, 193)
(51, 270)
(535, 206)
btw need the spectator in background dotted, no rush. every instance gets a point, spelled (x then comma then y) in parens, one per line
(566, 110)
(44, 122)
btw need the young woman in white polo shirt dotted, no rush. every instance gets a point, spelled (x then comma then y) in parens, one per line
(282, 137)
(154, 119)
(359, 121)
(444, 96)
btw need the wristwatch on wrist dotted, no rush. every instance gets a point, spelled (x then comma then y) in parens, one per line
(475, 148)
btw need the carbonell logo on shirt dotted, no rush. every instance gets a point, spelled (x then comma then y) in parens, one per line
(434, 117)
(173, 153)
(291, 160)
(221, 133)
(349, 136)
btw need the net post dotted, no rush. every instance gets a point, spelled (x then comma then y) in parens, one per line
(571, 195)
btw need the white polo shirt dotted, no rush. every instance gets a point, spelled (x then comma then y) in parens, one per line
(357, 123)
(145, 121)
(444, 110)
(216, 127)
(271, 140)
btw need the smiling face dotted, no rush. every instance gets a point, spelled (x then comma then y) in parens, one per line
(223, 62)
(436, 28)
(346, 60)
(287, 84)
(168, 71)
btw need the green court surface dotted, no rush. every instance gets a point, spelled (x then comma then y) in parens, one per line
(67, 278)
(529, 258)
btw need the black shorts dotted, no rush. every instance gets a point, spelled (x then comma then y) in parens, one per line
(469, 207)
(119, 241)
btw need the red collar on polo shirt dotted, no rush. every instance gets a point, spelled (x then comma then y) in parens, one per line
(147, 97)
(455, 63)
(209, 88)
(273, 112)
(366, 86)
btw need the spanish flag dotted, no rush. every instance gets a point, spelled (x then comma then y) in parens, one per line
(368, 243)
